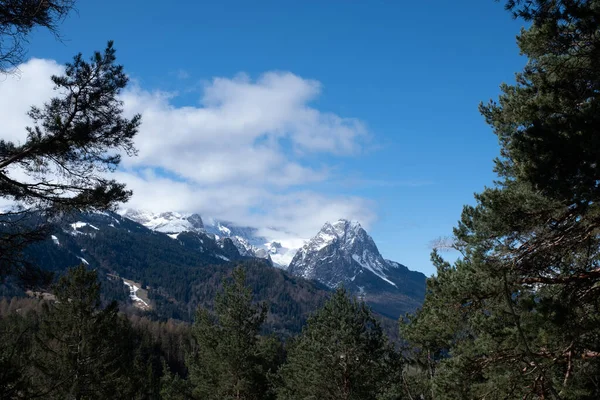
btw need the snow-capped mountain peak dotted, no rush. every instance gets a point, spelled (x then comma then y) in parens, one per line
(166, 222)
(338, 253)
(343, 253)
(246, 239)
(335, 232)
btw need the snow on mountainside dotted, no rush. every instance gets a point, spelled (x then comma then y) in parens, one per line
(166, 222)
(283, 254)
(246, 239)
(342, 253)
(338, 253)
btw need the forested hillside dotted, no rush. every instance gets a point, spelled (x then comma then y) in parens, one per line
(179, 275)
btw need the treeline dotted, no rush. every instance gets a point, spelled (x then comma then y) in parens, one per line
(72, 347)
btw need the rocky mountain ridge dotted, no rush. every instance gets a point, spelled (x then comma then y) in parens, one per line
(246, 239)
(343, 253)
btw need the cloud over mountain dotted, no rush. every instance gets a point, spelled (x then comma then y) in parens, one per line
(251, 150)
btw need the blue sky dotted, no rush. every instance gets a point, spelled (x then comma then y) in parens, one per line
(410, 74)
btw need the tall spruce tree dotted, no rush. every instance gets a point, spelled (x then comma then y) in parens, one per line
(83, 351)
(342, 354)
(518, 314)
(231, 361)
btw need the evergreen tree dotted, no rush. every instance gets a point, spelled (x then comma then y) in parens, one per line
(146, 369)
(521, 306)
(341, 354)
(18, 18)
(77, 137)
(83, 351)
(16, 334)
(231, 361)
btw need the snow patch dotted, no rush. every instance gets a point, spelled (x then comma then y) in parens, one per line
(81, 224)
(284, 259)
(224, 229)
(55, 240)
(376, 271)
(133, 294)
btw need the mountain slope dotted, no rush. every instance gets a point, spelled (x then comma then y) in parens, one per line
(178, 275)
(343, 253)
(167, 222)
(181, 270)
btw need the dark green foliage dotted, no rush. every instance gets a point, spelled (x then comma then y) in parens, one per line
(73, 347)
(18, 18)
(518, 315)
(548, 123)
(342, 353)
(231, 361)
(82, 351)
(15, 355)
(69, 347)
(78, 136)
(171, 339)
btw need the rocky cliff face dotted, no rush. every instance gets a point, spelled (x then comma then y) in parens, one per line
(343, 253)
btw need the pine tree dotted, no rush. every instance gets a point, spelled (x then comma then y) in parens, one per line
(16, 337)
(341, 354)
(75, 138)
(521, 305)
(430, 332)
(83, 351)
(231, 361)
(18, 18)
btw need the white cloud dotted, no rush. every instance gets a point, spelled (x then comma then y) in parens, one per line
(30, 86)
(236, 132)
(238, 154)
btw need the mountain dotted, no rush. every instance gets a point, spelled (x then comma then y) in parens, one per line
(340, 253)
(246, 239)
(343, 253)
(151, 272)
(167, 222)
(167, 264)
(92, 229)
